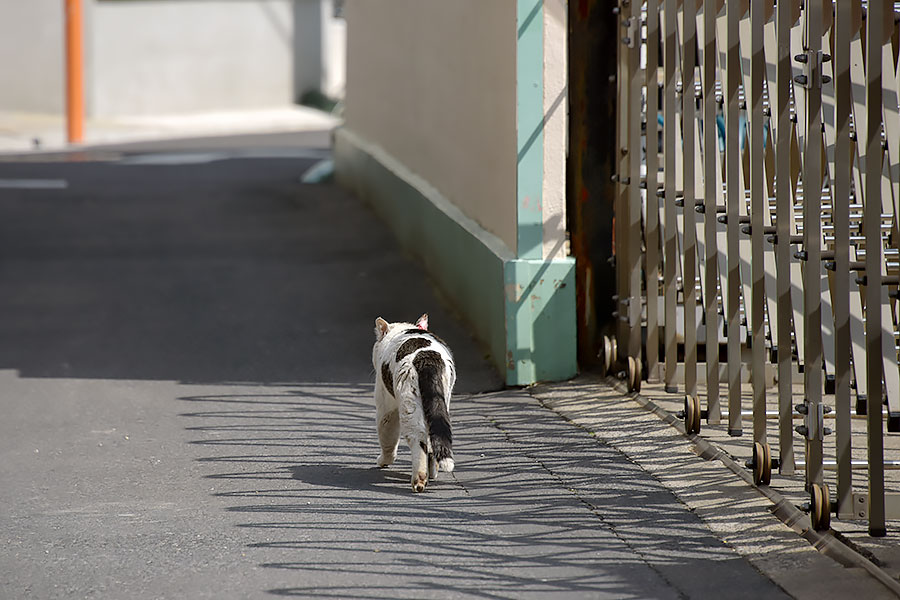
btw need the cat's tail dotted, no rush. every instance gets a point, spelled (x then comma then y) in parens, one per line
(437, 417)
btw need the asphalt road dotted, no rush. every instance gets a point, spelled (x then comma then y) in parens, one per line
(185, 387)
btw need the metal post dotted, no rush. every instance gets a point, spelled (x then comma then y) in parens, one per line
(733, 197)
(620, 229)
(785, 19)
(652, 224)
(840, 213)
(758, 200)
(875, 26)
(710, 182)
(593, 160)
(812, 236)
(671, 247)
(74, 72)
(857, 292)
(689, 277)
(633, 262)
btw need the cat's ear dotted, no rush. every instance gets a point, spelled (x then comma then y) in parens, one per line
(381, 329)
(422, 323)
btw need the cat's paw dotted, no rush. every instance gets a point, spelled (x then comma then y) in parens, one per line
(419, 480)
(447, 465)
(386, 460)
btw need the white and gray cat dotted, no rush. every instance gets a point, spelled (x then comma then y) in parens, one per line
(415, 376)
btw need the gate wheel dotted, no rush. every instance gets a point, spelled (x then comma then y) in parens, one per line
(691, 414)
(635, 375)
(631, 373)
(819, 507)
(762, 463)
(605, 356)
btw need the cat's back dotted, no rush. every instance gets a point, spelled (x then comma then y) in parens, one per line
(407, 344)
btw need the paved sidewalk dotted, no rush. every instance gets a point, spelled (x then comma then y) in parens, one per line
(22, 132)
(785, 492)
(707, 473)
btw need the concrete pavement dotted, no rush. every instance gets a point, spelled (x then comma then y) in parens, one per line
(185, 380)
(24, 132)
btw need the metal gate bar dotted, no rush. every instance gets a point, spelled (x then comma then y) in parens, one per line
(712, 187)
(837, 132)
(786, 17)
(652, 219)
(873, 263)
(735, 189)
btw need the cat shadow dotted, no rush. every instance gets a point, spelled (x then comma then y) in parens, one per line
(352, 478)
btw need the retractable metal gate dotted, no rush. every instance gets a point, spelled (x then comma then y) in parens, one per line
(756, 232)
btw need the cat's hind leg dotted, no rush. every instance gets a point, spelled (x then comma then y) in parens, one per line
(414, 431)
(387, 420)
(432, 466)
(420, 465)
(412, 424)
(388, 436)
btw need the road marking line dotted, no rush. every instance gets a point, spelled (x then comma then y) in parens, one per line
(34, 184)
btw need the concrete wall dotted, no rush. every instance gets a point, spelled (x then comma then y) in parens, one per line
(334, 52)
(433, 83)
(321, 40)
(555, 127)
(165, 56)
(31, 55)
(455, 133)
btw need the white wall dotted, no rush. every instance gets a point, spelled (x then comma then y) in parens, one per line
(160, 56)
(334, 52)
(166, 56)
(322, 41)
(433, 83)
(555, 127)
(31, 55)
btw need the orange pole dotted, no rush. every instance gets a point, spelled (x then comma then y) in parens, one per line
(74, 72)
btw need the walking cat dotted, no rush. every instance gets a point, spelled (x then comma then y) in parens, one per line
(415, 375)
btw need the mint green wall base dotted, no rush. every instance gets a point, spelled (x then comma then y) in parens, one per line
(523, 310)
(540, 320)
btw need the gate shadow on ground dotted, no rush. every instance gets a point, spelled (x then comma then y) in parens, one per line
(536, 508)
